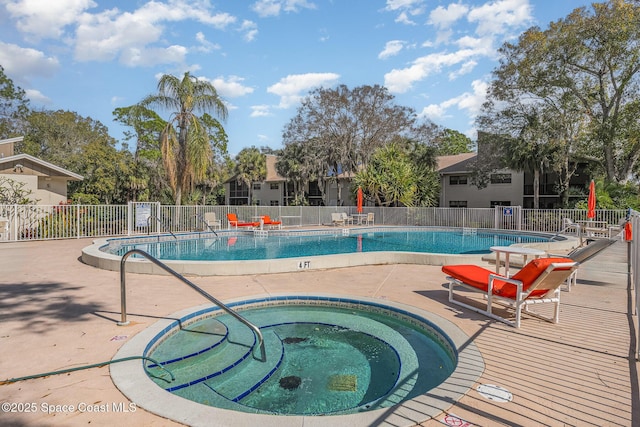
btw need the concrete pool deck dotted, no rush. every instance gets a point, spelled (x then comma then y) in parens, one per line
(58, 313)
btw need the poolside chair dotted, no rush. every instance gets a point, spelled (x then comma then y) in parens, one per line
(211, 221)
(370, 218)
(266, 220)
(337, 219)
(347, 219)
(235, 223)
(538, 282)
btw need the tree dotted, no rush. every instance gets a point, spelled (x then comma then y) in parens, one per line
(14, 107)
(251, 165)
(82, 145)
(452, 142)
(185, 142)
(147, 178)
(346, 126)
(588, 67)
(402, 173)
(12, 192)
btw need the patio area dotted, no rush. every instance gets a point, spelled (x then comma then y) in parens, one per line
(58, 313)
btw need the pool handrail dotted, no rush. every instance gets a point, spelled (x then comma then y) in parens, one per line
(161, 223)
(199, 216)
(123, 296)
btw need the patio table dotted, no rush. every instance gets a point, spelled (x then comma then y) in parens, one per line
(519, 250)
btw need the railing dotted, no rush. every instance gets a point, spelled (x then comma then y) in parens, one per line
(37, 222)
(123, 296)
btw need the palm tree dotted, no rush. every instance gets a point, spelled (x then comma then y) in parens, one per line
(185, 142)
(251, 166)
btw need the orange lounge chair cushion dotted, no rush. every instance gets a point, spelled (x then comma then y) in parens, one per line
(267, 220)
(233, 220)
(478, 277)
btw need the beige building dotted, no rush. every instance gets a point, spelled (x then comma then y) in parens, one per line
(47, 181)
(504, 188)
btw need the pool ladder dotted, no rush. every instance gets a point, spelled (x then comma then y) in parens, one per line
(123, 297)
(150, 217)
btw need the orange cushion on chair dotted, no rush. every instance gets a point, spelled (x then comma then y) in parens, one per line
(472, 275)
(478, 277)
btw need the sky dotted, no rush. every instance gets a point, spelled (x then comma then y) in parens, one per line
(263, 56)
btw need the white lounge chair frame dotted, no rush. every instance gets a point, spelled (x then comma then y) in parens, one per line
(337, 219)
(211, 220)
(550, 279)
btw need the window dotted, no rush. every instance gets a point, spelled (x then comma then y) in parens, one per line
(458, 180)
(274, 186)
(495, 203)
(457, 203)
(501, 178)
(256, 186)
(274, 203)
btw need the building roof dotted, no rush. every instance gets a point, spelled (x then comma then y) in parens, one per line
(456, 163)
(11, 140)
(45, 167)
(272, 173)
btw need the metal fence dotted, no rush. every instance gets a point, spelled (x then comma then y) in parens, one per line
(41, 222)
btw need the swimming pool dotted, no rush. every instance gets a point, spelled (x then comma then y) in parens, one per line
(287, 251)
(350, 359)
(245, 247)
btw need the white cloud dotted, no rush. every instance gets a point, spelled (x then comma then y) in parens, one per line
(111, 33)
(46, 18)
(205, 45)
(23, 63)
(261, 111)
(403, 18)
(135, 57)
(37, 97)
(250, 30)
(291, 89)
(443, 17)
(265, 8)
(466, 68)
(471, 102)
(392, 48)
(401, 80)
(495, 18)
(231, 87)
(393, 5)
(406, 8)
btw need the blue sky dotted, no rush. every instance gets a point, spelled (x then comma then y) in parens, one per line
(263, 56)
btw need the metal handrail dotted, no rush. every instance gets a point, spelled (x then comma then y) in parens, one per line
(162, 224)
(204, 221)
(123, 296)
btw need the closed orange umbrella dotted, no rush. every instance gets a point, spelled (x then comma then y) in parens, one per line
(359, 200)
(591, 203)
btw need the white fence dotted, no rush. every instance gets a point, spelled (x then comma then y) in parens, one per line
(41, 222)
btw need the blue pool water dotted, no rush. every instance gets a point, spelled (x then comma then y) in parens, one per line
(233, 247)
(322, 358)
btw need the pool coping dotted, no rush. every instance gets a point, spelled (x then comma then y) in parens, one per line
(131, 379)
(94, 256)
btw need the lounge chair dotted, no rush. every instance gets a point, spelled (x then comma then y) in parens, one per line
(347, 219)
(370, 218)
(538, 282)
(235, 223)
(211, 221)
(266, 220)
(337, 219)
